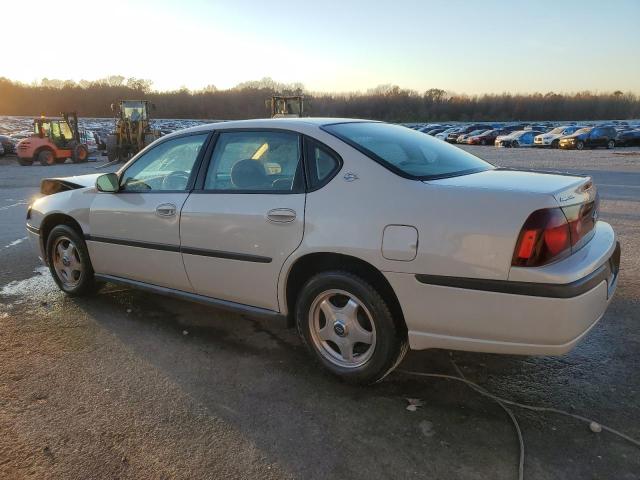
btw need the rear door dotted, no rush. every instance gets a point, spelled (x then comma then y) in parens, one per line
(596, 138)
(245, 217)
(135, 233)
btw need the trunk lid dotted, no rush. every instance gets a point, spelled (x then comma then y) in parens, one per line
(566, 189)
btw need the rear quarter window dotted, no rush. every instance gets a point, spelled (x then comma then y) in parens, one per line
(406, 152)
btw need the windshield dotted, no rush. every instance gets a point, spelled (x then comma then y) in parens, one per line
(584, 130)
(406, 152)
(134, 110)
(558, 130)
(477, 132)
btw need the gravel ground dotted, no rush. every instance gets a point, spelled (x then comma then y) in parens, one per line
(131, 385)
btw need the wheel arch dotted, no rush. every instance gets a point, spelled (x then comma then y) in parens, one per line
(41, 148)
(310, 264)
(53, 220)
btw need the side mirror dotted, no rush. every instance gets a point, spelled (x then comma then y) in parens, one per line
(109, 182)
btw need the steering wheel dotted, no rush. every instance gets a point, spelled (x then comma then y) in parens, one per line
(175, 180)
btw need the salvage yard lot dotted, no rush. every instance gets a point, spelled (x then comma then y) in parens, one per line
(132, 385)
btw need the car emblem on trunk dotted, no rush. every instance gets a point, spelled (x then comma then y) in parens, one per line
(350, 177)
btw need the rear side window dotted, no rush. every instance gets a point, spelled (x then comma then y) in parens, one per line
(322, 162)
(256, 161)
(406, 152)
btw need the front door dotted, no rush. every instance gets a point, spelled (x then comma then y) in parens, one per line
(246, 218)
(135, 233)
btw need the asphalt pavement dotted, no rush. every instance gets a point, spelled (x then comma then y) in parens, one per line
(128, 384)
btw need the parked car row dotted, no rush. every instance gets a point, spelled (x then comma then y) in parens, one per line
(7, 145)
(544, 134)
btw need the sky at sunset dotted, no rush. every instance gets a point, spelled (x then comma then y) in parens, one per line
(460, 46)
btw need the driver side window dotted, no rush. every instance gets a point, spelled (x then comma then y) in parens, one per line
(166, 167)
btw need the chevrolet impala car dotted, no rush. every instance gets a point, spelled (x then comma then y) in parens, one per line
(371, 238)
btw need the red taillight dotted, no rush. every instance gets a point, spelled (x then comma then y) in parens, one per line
(553, 233)
(544, 236)
(527, 243)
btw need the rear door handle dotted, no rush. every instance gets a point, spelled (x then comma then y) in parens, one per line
(281, 215)
(166, 210)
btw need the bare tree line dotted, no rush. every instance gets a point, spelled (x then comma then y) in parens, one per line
(247, 100)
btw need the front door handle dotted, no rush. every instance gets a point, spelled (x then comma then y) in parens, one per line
(281, 215)
(166, 210)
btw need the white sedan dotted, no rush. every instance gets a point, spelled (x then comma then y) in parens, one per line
(552, 138)
(371, 238)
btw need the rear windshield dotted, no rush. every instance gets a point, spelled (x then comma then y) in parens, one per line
(406, 152)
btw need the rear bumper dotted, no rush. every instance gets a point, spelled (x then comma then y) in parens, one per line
(512, 317)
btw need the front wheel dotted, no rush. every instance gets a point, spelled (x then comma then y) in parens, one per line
(515, 144)
(349, 328)
(611, 144)
(69, 261)
(46, 157)
(580, 145)
(555, 144)
(80, 154)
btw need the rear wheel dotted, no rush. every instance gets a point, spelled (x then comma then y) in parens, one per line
(46, 157)
(348, 327)
(69, 261)
(25, 162)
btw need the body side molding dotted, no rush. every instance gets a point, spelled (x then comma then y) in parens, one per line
(194, 297)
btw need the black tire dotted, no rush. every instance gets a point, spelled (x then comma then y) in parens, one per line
(80, 154)
(85, 282)
(390, 343)
(515, 144)
(25, 162)
(611, 144)
(483, 142)
(555, 144)
(579, 145)
(111, 146)
(46, 157)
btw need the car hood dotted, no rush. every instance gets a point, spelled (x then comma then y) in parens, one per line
(566, 189)
(574, 135)
(49, 186)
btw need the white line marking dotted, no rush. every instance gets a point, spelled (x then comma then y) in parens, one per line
(616, 186)
(16, 242)
(7, 207)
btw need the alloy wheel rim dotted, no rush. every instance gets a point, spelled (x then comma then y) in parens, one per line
(342, 328)
(67, 263)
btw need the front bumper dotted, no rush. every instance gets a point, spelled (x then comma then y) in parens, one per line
(512, 317)
(33, 233)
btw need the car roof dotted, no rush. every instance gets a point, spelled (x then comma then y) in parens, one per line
(294, 123)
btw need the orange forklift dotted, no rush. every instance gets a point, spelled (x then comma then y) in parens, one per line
(53, 141)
